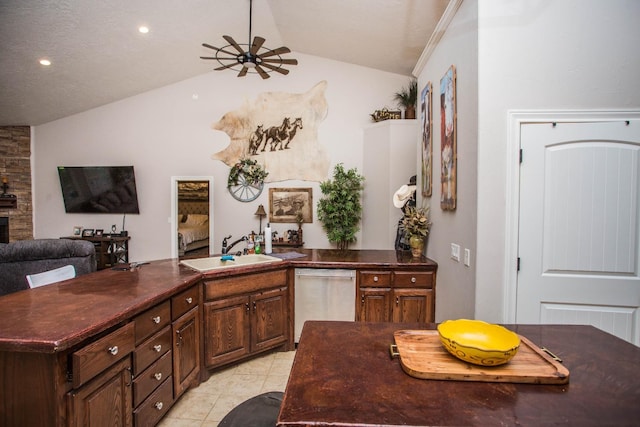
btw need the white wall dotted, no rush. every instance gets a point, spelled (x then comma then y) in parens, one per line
(535, 55)
(166, 132)
(455, 294)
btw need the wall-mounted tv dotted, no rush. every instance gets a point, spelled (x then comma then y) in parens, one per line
(99, 189)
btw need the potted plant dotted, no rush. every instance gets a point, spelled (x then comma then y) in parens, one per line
(407, 98)
(340, 210)
(416, 226)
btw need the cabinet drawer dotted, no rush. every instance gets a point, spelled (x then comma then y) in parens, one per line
(375, 278)
(155, 406)
(413, 279)
(184, 302)
(150, 350)
(94, 358)
(248, 283)
(151, 378)
(152, 321)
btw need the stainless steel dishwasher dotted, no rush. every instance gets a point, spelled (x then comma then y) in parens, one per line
(324, 294)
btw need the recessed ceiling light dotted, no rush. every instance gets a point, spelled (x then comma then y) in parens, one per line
(143, 29)
(45, 62)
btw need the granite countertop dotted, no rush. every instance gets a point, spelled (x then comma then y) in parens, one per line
(56, 317)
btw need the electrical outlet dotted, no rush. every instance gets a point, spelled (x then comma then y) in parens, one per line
(467, 257)
(455, 252)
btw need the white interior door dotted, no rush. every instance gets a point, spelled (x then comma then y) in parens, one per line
(579, 227)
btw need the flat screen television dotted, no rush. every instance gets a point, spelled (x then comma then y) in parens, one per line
(99, 189)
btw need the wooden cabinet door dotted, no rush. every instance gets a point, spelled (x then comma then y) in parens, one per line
(269, 318)
(104, 401)
(186, 350)
(227, 330)
(374, 304)
(412, 305)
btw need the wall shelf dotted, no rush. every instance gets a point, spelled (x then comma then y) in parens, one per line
(8, 202)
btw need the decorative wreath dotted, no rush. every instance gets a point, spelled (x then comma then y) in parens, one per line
(253, 173)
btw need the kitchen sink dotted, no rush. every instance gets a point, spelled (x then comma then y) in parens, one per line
(218, 262)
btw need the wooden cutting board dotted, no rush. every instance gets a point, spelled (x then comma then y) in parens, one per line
(422, 356)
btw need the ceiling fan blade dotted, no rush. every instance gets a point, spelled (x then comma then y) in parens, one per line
(233, 43)
(278, 51)
(243, 72)
(219, 50)
(257, 44)
(224, 67)
(274, 68)
(219, 59)
(282, 61)
(262, 72)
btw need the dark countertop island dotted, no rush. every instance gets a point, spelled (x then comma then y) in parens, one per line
(56, 317)
(122, 345)
(342, 375)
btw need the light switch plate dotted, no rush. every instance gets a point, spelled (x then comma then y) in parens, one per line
(467, 257)
(455, 252)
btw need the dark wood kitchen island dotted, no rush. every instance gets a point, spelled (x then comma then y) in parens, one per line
(121, 346)
(343, 376)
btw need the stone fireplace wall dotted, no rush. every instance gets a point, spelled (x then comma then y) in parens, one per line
(15, 165)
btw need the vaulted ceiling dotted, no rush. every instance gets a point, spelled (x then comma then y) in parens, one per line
(98, 56)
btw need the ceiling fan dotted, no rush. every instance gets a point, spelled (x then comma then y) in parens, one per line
(253, 56)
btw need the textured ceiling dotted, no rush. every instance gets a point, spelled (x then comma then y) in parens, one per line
(99, 57)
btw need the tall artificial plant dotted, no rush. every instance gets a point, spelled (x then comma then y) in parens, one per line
(340, 208)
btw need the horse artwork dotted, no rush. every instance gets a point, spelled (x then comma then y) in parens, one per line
(291, 133)
(275, 135)
(256, 139)
(280, 131)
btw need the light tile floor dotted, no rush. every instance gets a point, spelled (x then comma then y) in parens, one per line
(207, 404)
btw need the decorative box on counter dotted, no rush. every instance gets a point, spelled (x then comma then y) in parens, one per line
(385, 114)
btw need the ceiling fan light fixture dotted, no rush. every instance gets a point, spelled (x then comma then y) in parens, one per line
(250, 56)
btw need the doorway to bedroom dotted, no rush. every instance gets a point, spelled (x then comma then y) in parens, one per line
(192, 216)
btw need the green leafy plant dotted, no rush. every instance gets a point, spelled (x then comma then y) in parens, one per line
(340, 210)
(253, 173)
(408, 96)
(416, 222)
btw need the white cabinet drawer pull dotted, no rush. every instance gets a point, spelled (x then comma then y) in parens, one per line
(413, 280)
(157, 348)
(158, 405)
(156, 319)
(158, 375)
(375, 278)
(113, 350)
(189, 300)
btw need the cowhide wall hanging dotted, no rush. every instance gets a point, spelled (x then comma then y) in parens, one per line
(280, 131)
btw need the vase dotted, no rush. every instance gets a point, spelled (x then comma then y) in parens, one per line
(417, 246)
(410, 112)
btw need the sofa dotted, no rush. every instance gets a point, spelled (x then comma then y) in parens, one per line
(25, 257)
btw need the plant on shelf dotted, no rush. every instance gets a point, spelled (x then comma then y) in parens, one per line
(340, 210)
(253, 173)
(416, 226)
(407, 98)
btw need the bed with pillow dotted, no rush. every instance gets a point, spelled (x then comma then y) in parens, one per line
(193, 232)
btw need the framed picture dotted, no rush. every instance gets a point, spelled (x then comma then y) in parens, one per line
(426, 118)
(99, 232)
(87, 232)
(286, 203)
(448, 145)
(77, 231)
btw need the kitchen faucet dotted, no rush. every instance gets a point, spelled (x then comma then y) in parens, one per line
(226, 249)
